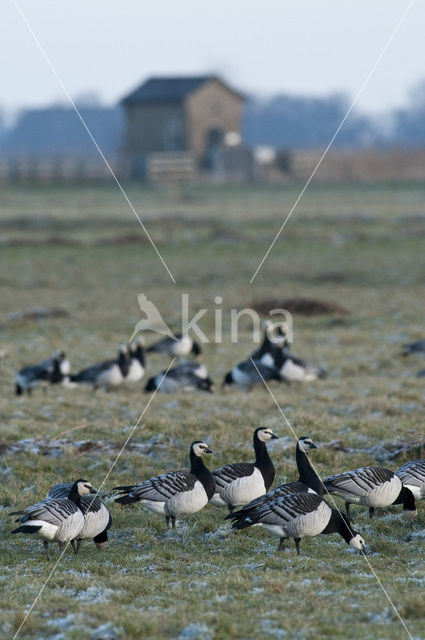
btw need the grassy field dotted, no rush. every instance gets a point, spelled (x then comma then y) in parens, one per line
(82, 250)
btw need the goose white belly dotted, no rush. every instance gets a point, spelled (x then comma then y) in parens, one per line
(297, 373)
(241, 491)
(155, 506)
(111, 377)
(187, 502)
(94, 522)
(135, 371)
(47, 531)
(218, 501)
(64, 532)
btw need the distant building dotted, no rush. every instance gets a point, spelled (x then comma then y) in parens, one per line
(181, 122)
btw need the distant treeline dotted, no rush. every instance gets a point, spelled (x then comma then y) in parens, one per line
(282, 122)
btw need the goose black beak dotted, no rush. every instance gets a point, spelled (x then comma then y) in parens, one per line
(208, 451)
(93, 490)
(274, 437)
(313, 446)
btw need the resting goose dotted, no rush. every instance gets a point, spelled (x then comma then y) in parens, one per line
(107, 374)
(412, 476)
(298, 515)
(373, 487)
(136, 369)
(175, 493)
(181, 346)
(184, 377)
(293, 369)
(239, 483)
(97, 519)
(55, 520)
(37, 375)
(250, 372)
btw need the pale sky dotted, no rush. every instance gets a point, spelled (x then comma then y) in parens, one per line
(264, 46)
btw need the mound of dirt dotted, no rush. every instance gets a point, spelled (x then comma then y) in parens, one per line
(301, 306)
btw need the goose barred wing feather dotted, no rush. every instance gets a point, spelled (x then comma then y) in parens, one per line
(59, 491)
(230, 472)
(413, 474)
(160, 488)
(51, 511)
(92, 373)
(280, 511)
(359, 481)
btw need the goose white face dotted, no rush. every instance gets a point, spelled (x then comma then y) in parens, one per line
(265, 434)
(84, 488)
(357, 542)
(199, 448)
(306, 444)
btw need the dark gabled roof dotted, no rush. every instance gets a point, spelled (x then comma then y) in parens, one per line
(169, 89)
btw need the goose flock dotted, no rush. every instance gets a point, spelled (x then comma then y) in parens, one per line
(271, 361)
(73, 511)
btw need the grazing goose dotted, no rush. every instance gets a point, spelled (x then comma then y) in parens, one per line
(181, 346)
(107, 374)
(298, 515)
(37, 375)
(184, 377)
(418, 348)
(412, 476)
(175, 493)
(55, 520)
(97, 519)
(239, 483)
(136, 369)
(247, 373)
(373, 487)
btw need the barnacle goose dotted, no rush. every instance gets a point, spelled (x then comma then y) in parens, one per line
(97, 519)
(64, 363)
(107, 374)
(293, 369)
(418, 348)
(136, 369)
(55, 520)
(36, 375)
(308, 480)
(267, 352)
(184, 377)
(181, 346)
(297, 515)
(175, 493)
(373, 487)
(240, 482)
(412, 476)
(247, 373)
